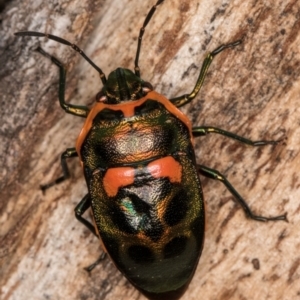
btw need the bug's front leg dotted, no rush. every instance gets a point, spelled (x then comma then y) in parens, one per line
(77, 110)
(186, 98)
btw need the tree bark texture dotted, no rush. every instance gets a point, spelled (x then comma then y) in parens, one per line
(252, 90)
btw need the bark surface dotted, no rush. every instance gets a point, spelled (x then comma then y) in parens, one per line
(252, 90)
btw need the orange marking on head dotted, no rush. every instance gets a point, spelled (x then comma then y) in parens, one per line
(115, 178)
(128, 110)
(166, 167)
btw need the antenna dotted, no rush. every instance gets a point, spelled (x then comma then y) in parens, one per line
(142, 30)
(65, 42)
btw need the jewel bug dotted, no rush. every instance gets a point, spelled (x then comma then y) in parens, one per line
(136, 149)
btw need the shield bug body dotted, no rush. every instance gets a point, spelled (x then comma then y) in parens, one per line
(137, 154)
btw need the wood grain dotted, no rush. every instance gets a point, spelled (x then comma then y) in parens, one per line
(252, 90)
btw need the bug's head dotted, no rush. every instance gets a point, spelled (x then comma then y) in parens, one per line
(123, 85)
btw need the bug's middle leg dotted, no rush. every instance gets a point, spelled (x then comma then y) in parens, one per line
(204, 130)
(69, 153)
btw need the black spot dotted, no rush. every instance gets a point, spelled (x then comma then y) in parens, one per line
(175, 247)
(141, 254)
(154, 230)
(177, 208)
(147, 106)
(120, 220)
(108, 115)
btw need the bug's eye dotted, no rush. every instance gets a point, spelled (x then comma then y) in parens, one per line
(101, 97)
(147, 87)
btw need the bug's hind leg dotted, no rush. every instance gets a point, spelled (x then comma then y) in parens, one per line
(96, 263)
(216, 175)
(80, 209)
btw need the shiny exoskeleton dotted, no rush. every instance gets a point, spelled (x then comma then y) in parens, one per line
(145, 192)
(137, 153)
